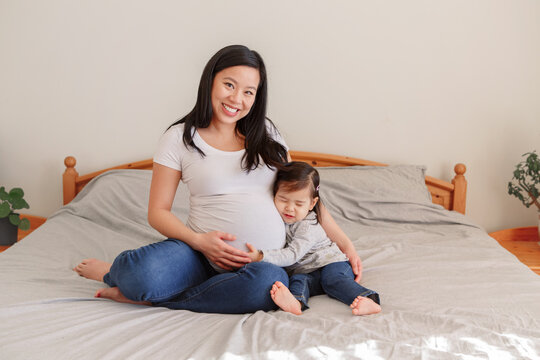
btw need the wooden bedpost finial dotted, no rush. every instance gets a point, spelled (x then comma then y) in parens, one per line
(69, 179)
(460, 188)
(70, 162)
(460, 169)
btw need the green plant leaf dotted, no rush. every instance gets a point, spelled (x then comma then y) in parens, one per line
(18, 204)
(24, 224)
(5, 210)
(524, 184)
(3, 194)
(14, 219)
(16, 193)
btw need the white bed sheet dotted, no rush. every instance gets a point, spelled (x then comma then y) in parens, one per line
(448, 290)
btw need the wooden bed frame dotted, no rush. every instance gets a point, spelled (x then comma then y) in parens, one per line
(451, 196)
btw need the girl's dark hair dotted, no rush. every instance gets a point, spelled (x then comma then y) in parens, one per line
(298, 175)
(259, 145)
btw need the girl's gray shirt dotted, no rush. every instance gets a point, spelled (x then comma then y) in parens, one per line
(307, 248)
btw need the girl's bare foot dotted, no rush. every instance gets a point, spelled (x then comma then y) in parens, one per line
(115, 294)
(93, 269)
(284, 299)
(364, 306)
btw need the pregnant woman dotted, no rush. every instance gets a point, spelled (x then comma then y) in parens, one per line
(226, 152)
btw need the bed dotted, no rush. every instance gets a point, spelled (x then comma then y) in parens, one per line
(448, 290)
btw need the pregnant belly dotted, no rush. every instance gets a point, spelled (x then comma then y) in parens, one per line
(252, 219)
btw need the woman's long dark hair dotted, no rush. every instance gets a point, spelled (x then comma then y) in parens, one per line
(259, 144)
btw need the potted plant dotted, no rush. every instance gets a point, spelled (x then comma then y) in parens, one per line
(525, 184)
(9, 220)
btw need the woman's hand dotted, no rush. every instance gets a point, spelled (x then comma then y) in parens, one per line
(213, 245)
(356, 264)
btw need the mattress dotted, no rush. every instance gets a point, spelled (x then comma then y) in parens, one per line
(448, 290)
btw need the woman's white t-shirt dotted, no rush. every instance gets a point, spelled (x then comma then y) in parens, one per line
(223, 196)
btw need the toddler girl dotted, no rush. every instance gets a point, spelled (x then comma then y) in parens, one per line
(315, 263)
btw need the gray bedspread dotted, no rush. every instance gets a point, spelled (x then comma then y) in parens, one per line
(448, 290)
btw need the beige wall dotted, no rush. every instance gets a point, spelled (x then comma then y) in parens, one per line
(422, 82)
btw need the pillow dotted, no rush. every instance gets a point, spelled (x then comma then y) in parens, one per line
(386, 195)
(117, 197)
(396, 183)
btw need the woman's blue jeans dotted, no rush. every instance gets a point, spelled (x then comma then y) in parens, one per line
(173, 275)
(335, 279)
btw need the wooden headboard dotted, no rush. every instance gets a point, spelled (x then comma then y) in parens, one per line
(451, 195)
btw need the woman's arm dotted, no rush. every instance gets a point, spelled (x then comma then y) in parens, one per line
(345, 244)
(162, 192)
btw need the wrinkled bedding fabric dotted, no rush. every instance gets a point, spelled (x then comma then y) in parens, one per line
(448, 290)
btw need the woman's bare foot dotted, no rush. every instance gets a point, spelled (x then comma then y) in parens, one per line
(364, 306)
(93, 269)
(284, 299)
(115, 294)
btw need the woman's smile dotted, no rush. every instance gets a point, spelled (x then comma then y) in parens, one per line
(230, 110)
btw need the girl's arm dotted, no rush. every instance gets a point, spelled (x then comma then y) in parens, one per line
(162, 192)
(290, 254)
(337, 235)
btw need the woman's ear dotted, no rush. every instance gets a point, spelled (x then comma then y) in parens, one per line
(313, 202)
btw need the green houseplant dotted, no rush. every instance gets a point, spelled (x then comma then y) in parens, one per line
(525, 185)
(9, 220)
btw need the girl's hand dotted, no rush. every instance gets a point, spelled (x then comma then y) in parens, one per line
(356, 264)
(254, 254)
(213, 245)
